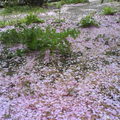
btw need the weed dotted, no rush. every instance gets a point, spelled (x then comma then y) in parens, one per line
(88, 21)
(32, 18)
(40, 39)
(108, 11)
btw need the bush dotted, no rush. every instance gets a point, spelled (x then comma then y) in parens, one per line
(88, 21)
(108, 11)
(39, 39)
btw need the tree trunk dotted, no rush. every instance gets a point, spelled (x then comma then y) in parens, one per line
(102, 1)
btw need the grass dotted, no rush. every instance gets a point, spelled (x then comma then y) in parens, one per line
(74, 1)
(31, 18)
(88, 21)
(55, 4)
(62, 2)
(21, 9)
(9, 23)
(37, 39)
(108, 11)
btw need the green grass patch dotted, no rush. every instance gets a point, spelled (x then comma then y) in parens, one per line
(74, 1)
(108, 11)
(55, 4)
(37, 39)
(21, 9)
(29, 19)
(62, 2)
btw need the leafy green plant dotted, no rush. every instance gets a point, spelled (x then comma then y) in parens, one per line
(32, 18)
(88, 21)
(40, 39)
(108, 11)
(20, 52)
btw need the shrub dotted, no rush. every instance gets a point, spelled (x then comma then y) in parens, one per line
(88, 21)
(108, 11)
(39, 39)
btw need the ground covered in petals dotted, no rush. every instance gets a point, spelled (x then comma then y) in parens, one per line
(83, 86)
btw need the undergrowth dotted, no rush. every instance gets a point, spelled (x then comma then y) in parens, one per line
(73, 1)
(88, 21)
(37, 39)
(31, 18)
(21, 9)
(62, 2)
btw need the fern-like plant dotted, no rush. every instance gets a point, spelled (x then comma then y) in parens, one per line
(40, 39)
(88, 21)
